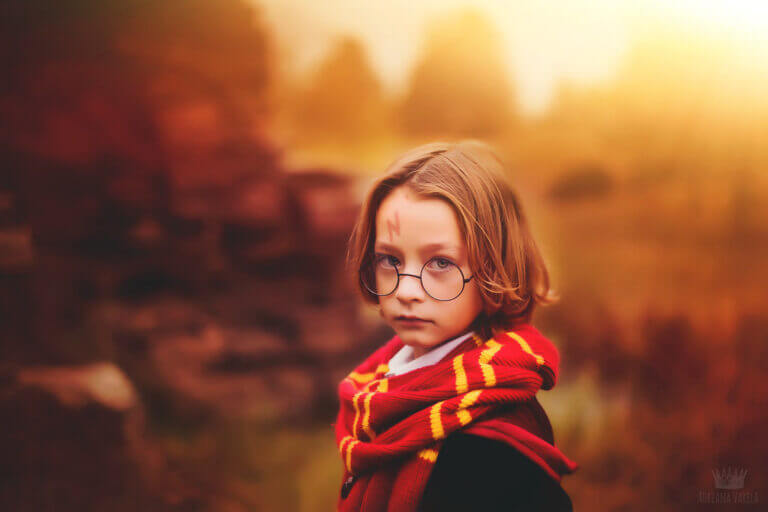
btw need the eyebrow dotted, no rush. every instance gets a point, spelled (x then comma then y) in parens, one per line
(426, 247)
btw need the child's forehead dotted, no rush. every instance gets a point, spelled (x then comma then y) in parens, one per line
(408, 220)
(395, 234)
(403, 206)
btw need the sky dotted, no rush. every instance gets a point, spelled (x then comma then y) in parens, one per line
(546, 41)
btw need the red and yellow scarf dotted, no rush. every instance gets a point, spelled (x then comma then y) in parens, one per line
(390, 430)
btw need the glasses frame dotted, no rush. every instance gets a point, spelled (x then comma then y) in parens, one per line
(464, 280)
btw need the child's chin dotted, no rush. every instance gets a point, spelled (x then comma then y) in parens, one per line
(421, 341)
(412, 338)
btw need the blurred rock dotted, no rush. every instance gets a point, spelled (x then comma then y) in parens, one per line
(76, 442)
(16, 251)
(102, 383)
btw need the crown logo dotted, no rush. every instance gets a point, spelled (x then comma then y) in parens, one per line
(729, 478)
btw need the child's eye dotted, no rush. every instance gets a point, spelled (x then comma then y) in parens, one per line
(440, 263)
(386, 261)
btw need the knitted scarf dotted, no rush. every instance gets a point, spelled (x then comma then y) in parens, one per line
(390, 430)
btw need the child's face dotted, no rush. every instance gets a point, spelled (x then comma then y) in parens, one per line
(405, 226)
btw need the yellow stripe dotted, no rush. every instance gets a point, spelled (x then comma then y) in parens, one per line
(343, 441)
(382, 385)
(362, 378)
(461, 375)
(492, 344)
(343, 447)
(485, 356)
(436, 421)
(464, 416)
(468, 400)
(428, 454)
(357, 412)
(367, 415)
(526, 347)
(478, 340)
(349, 454)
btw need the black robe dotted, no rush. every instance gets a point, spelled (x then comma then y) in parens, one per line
(474, 473)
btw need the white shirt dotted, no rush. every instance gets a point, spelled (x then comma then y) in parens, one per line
(403, 361)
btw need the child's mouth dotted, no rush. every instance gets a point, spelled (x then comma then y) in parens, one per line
(411, 321)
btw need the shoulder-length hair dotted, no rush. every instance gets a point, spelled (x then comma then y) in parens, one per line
(503, 255)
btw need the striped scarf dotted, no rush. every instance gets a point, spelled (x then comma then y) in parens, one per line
(390, 430)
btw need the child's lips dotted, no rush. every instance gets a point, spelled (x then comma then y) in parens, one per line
(411, 320)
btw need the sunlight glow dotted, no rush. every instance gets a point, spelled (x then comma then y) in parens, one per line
(739, 15)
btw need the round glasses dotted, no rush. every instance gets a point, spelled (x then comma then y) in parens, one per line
(440, 278)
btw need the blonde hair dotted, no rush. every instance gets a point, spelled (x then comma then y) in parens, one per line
(503, 255)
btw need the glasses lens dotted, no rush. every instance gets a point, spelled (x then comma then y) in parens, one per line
(442, 279)
(380, 275)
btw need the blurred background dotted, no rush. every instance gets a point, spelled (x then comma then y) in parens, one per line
(178, 180)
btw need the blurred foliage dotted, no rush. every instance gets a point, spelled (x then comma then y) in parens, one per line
(460, 85)
(343, 99)
(585, 182)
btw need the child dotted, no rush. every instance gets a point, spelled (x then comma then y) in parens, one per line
(444, 415)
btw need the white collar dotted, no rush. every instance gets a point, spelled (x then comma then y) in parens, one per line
(403, 361)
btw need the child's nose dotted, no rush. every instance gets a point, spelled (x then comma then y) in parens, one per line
(410, 287)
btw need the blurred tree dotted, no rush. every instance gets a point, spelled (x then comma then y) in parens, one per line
(582, 182)
(684, 99)
(344, 99)
(683, 122)
(460, 86)
(117, 113)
